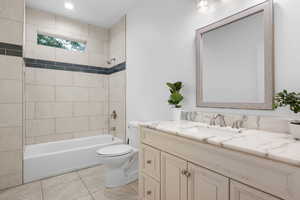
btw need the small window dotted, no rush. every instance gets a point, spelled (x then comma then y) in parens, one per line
(56, 42)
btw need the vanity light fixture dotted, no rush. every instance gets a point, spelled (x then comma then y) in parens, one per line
(69, 5)
(202, 4)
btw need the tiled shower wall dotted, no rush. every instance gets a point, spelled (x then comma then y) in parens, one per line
(11, 69)
(63, 105)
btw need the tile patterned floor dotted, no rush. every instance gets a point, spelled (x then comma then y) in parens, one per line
(87, 184)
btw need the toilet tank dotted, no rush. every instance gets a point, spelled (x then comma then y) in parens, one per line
(133, 135)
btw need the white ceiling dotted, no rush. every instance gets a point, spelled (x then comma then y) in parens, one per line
(98, 12)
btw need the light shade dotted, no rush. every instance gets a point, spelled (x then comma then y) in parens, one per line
(69, 5)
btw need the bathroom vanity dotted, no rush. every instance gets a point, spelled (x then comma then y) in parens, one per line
(188, 161)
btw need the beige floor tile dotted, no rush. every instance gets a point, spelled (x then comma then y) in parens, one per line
(85, 198)
(93, 171)
(66, 191)
(120, 193)
(62, 179)
(134, 185)
(94, 183)
(31, 191)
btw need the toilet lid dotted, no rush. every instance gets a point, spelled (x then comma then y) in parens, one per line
(115, 150)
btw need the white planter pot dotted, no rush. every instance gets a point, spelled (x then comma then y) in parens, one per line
(176, 114)
(295, 130)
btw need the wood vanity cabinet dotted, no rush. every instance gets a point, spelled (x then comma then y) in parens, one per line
(176, 168)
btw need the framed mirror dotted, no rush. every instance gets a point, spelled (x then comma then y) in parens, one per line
(235, 60)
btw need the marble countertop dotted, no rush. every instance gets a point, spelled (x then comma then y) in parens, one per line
(275, 146)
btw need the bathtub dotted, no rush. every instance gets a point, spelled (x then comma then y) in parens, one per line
(54, 158)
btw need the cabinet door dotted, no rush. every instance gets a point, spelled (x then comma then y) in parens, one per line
(239, 191)
(149, 189)
(206, 185)
(173, 180)
(150, 161)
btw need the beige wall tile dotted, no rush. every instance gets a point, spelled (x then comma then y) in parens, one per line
(97, 94)
(12, 9)
(29, 75)
(29, 110)
(81, 109)
(44, 110)
(10, 139)
(71, 94)
(40, 127)
(10, 115)
(71, 26)
(12, 164)
(69, 125)
(45, 76)
(31, 31)
(97, 59)
(97, 122)
(88, 133)
(96, 108)
(63, 109)
(33, 50)
(98, 33)
(11, 67)
(62, 55)
(40, 18)
(39, 93)
(85, 80)
(52, 138)
(13, 31)
(9, 180)
(64, 78)
(11, 91)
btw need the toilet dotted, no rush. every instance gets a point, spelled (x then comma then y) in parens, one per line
(121, 160)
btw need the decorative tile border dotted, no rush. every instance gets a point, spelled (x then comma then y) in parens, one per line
(45, 64)
(11, 49)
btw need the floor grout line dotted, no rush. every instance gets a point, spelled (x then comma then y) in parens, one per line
(84, 184)
(42, 190)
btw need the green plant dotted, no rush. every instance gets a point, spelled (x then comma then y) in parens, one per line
(285, 98)
(175, 97)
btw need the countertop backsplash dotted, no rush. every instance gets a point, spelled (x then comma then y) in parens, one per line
(267, 123)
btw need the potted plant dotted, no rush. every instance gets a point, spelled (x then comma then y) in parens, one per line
(175, 99)
(291, 99)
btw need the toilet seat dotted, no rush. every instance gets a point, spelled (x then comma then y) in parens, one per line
(115, 150)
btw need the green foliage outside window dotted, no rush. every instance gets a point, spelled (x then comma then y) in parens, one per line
(60, 43)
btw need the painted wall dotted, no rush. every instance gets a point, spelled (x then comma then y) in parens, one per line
(160, 48)
(11, 95)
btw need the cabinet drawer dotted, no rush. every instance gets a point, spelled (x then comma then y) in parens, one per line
(240, 191)
(150, 161)
(149, 188)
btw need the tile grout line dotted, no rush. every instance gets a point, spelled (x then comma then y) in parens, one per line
(43, 195)
(86, 187)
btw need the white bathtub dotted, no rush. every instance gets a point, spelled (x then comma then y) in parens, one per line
(54, 158)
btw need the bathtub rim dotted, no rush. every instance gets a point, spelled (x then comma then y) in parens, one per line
(114, 141)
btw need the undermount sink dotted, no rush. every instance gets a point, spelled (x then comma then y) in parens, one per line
(213, 130)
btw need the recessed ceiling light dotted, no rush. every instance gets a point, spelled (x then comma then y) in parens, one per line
(69, 5)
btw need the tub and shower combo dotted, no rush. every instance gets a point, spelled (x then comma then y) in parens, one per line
(54, 158)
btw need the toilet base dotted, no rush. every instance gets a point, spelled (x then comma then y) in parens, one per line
(117, 177)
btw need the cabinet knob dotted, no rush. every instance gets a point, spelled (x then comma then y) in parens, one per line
(149, 161)
(186, 173)
(149, 192)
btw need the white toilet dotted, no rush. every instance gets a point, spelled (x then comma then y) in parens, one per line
(121, 160)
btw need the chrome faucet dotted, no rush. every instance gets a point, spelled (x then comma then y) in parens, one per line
(221, 120)
(239, 123)
(114, 115)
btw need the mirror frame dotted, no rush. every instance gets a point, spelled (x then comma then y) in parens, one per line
(267, 9)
